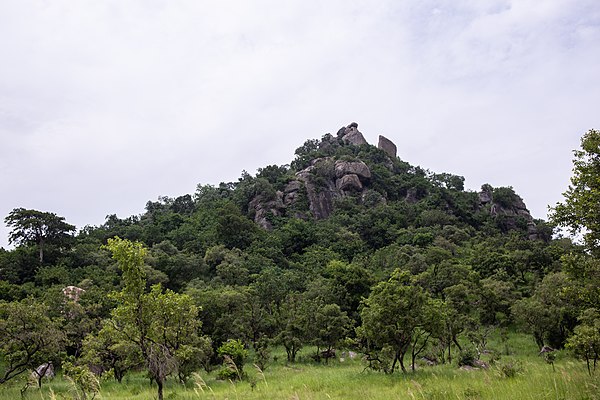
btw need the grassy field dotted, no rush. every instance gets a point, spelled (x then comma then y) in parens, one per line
(349, 380)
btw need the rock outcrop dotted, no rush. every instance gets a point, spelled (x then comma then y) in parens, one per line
(387, 145)
(511, 211)
(263, 207)
(322, 182)
(352, 135)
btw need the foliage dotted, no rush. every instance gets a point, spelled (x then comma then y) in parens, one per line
(158, 324)
(234, 356)
(32, 227)
(579, 212)
(390, 316)
(84, 381)
(28, 337)
(585, 343)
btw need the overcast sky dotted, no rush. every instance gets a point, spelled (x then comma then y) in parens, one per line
(105, 105)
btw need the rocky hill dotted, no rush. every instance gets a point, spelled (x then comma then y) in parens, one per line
(345, 166)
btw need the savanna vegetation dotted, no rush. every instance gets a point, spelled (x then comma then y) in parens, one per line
(300, 282)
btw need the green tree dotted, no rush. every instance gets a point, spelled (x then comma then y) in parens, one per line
(158, 324)
(28, 337)
(109, 352)
(291, 322)
(585, 343)
(580, 211)
(548, 315)
(391, 315)
(331, 325)
(32, 227)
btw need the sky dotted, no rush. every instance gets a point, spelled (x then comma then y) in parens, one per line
(107, 104)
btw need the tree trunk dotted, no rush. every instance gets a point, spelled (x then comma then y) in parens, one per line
(394, 363)
(456, 343)
(401, 359)
(160, 389)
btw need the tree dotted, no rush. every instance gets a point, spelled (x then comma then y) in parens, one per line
(580, 212)
(291, 321)
(585, 343)
(391, 314)
(331, 325)
(548, 315)
(160, 325)
(32, 227)
(28, 337)
(107, 351)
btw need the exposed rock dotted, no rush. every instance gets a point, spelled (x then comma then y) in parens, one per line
(516, 209)
(263, 208)
(352, 135)
(429, 361)
(546, 349)
(485, 196)
(387, 145)
(481, 364)
(320, 197)
(358, 168)
(348, 183)
(291, 192)
(73, 292)
(372, 198)
(293, 186)
(46, 370)
(411, 196)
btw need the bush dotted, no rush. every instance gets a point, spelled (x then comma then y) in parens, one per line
(234, 355)
(510, 369)
(467, 357)
(228, 373)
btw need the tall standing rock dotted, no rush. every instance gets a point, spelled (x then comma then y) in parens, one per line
(387, 145)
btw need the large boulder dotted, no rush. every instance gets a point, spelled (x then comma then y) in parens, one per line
(349, 182)
(358, 168)
(387, 145)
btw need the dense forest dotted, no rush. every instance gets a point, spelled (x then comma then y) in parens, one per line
(346, 248)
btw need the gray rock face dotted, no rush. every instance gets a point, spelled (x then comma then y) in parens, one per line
(263, 207)
(387, 145)
(352, 135)
(349, 182)
(291, 192)
(358, 168)
(320, 196)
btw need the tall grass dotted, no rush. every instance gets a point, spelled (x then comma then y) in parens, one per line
(307, 380)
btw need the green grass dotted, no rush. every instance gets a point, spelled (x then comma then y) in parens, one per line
(348, 380)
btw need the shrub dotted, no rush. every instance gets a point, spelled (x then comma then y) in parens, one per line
(234, 355)
(510, 369)
(467, 357)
